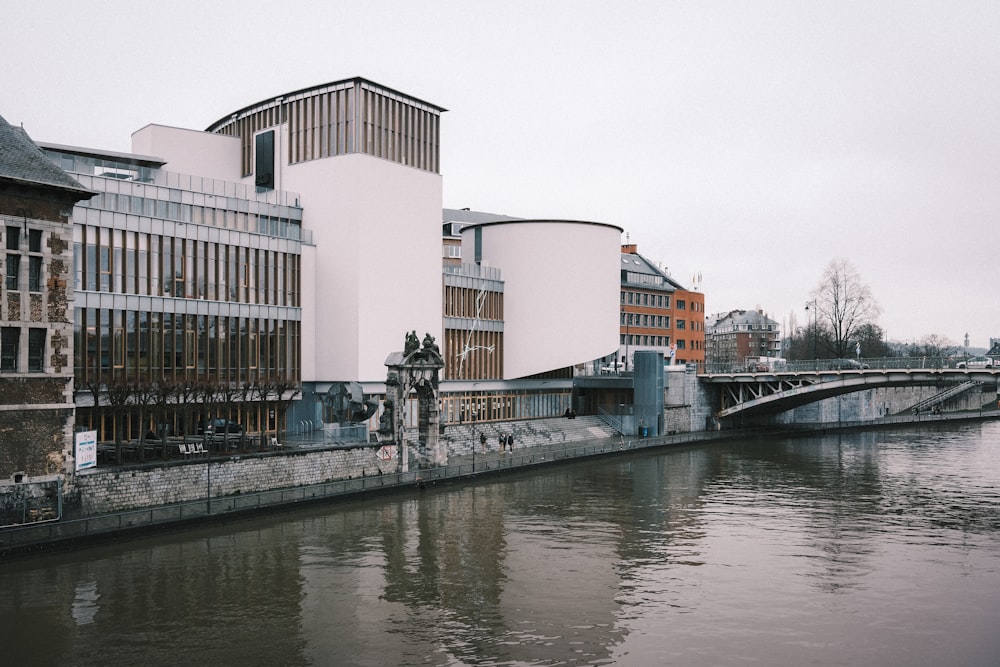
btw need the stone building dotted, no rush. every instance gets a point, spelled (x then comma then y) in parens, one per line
(738, 334)
(36, 328)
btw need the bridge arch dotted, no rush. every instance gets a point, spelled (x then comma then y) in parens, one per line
(755, 394)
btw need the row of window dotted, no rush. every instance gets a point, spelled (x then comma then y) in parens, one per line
(131, 345)
(743, 336)
(127, 262)
(11, 351)
(225, 218)
(650, 341)
(659, 341)
(651, 321)
(473, 303)
(128, 176)
(718, 330)
(473, 407)
(650, 300)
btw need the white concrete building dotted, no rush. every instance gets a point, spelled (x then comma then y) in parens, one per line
(351, 170)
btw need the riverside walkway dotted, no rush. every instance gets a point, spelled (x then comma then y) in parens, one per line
(536, 443)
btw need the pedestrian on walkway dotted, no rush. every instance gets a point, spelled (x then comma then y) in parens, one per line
(482, 441)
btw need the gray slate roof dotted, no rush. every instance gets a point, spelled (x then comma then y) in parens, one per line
(23, 161)
(468, 217)
(636, 263)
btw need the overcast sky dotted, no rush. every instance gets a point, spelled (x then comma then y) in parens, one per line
(750, 143)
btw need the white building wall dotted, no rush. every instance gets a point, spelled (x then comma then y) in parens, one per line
(376, 226)
(191, 151)
(561, 290)
(374, 272)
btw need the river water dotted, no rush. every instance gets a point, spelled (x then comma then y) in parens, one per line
(878, 548)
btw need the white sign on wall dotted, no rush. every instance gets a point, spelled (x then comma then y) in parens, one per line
(86, 449)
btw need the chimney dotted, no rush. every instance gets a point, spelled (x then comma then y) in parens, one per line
(630, 249)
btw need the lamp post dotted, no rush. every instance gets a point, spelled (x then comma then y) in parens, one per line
(815, 314)
(208, 474)
(473, 415)
(628, 321)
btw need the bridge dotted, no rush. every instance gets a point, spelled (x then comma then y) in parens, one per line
(769, 392)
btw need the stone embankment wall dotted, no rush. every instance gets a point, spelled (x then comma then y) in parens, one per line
(884, 402)
(101, 491)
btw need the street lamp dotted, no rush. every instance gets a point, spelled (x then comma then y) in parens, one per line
(815, 313)
(628, 320)
(473, 415)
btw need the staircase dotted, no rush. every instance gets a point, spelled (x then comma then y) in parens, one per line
(460, 438)
(939, 398)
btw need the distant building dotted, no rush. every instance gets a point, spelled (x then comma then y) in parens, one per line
(994, 351)
(657, 314)
(732, 337)
(36, 329)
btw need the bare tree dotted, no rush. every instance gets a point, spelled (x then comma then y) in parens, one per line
(934, 345)
(845, 303)
(143, 396)
(280, 390)
(119, 400)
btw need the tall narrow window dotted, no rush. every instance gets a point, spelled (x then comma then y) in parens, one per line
(13, 271)
(13, 238)
(9, 348)
(34, 240)
(34, 273)
(264, 162)
(36, 350)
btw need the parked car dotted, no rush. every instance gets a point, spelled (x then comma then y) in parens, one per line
(219, 426)
(848, 365)
(977, 362)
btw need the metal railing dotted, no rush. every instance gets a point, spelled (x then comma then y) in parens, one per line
(464, 466)
(846, 364)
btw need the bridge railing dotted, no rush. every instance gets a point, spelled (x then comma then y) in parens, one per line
(874, 363)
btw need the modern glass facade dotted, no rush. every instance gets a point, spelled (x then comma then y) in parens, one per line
(182, 279)
(473, 323)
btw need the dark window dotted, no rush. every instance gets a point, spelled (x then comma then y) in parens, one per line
(34, 240)
(13, 238)
(681, 304)
(264, 167)
(36, 349)
(35, 274)
(13, 270)
(9, 348)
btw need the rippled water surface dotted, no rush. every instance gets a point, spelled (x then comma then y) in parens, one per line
(877, 548)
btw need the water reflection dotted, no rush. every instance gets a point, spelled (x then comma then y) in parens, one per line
(864, 547)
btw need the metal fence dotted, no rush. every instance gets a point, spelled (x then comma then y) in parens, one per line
(18, 536)
(889, 363)
(464, 466)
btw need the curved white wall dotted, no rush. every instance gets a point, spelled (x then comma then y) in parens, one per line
(377, 269)
(562, 285)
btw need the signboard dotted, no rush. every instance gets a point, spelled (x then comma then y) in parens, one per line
(386, 453)
(86, 449)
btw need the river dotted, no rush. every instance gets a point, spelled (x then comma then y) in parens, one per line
(858, 548)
